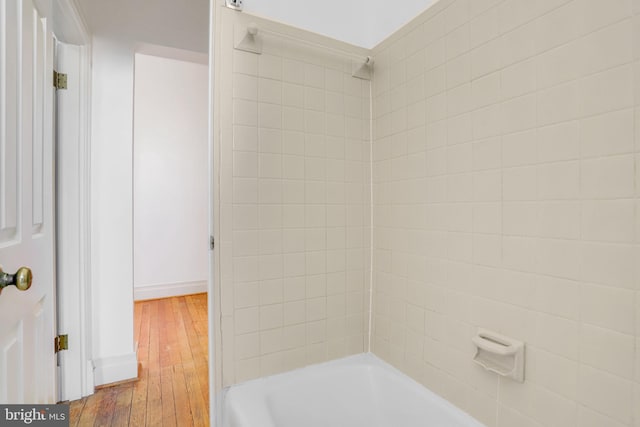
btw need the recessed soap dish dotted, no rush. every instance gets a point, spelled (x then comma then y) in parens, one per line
(499, 354)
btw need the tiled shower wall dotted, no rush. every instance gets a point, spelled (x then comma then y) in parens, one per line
(295, 196)
(506, 196)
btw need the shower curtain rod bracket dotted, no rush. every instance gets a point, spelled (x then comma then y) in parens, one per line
(362, 70)
(247, 39)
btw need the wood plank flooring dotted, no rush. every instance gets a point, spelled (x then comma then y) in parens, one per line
(172, 387)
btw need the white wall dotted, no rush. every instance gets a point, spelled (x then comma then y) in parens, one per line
(170, 177)
(111, 210)
(363, 23)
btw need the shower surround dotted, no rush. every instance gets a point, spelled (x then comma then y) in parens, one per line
(500, 186)
(295, 202)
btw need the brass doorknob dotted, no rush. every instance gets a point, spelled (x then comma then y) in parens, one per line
(21, 280)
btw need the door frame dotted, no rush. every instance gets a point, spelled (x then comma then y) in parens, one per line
(75, 374)
(213, 286)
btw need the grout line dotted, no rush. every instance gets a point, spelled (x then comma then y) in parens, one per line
(635, 305)
(370, 330)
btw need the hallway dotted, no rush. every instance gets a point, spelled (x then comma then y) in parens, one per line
(172, 389)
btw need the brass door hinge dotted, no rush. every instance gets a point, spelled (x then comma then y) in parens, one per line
(61, 342)
(59, 80)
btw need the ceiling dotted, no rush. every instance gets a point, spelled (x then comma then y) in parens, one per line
(364, 23)
(184, 24)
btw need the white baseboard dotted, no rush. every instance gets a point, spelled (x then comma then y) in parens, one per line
(114, 369)
(90, 380)
(141, 293)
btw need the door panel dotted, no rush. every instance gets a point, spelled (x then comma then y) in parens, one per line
(27, 359)
(39, 99)
(9, 102)
(11, 356)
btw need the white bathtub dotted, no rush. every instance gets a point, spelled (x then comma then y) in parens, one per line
(358, 391)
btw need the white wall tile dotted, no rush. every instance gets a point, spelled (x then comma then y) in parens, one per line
(608, 177)
(610, 220)
(270, 140)
(518, 79)
(487, 218)
(519, 114)
(245, 87)
(558, 336)
(458, 71)
(517, 44)
(245, 112)
(484, 27)
(519, 149)
(486, 58)
(459, 100)
(457, 41)
(560, 258)
(245, 63)
(520, 183)
(486, 90)
(520, 219)
(245, 164)
(607, 350)
(456, 14)
(487, 122)
(459, 129)
(609, 264)
(270, 66)
(559, 181)
(560, 65)
(559, 103)
(595, 15)
(508, 417)
(558, 219)
(554, 372)
(435, 54)
(487, 154)
(557, 27)
(607, 91)
(606, 393)
(487, 186)
(514, 13)
(559, 142)
(245, 138)
(590, 418)
(607, 307)
(607, 48)
(270, 91)
(246, 320)
(607, 134)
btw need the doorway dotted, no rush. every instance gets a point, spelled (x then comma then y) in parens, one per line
(118, 30)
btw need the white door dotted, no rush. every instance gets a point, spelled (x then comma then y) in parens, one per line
(27, 359)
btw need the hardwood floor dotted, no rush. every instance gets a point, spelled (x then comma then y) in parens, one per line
(172, 387)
